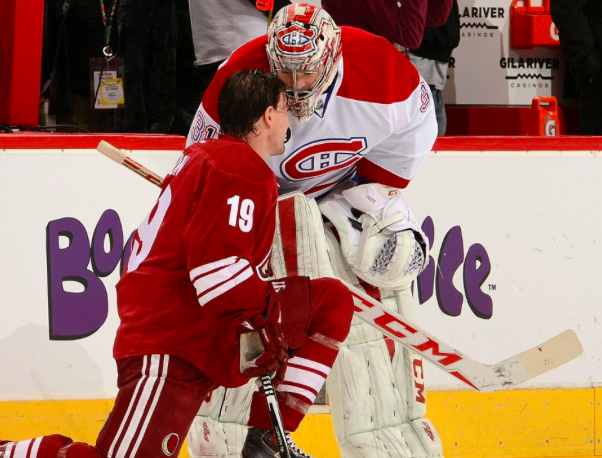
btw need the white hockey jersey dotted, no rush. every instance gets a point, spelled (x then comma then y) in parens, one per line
(377, 118)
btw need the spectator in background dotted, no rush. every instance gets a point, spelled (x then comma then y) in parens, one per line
(188, 78)
(431, 59)
(401, 23)
(579, 24)
(73, 33)
(218, 28)
(405, 24)
(147, 41)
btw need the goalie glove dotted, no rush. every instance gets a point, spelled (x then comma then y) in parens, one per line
(383, 245)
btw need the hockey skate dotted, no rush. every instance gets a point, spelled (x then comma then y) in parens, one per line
(261, 443)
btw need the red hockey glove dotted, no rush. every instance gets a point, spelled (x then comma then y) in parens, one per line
(268, 340)
(262, 344)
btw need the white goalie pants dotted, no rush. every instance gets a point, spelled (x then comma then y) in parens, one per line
(376, 388)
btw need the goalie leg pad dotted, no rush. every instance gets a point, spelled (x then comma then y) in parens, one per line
(208, 437)
(299, 243)
(376, 388)
(429, 439)
(403, 441)
(220, 430)
(376, 408)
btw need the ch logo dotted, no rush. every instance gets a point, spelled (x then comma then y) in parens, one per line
(170, 444)
(295, 39)
(322, 157)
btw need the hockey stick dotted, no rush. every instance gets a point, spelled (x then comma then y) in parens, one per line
(275, 416)
(553, 353)
(122, 158)
(544, 357)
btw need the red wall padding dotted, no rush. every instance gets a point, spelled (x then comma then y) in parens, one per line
(502, 120)
(22, 24)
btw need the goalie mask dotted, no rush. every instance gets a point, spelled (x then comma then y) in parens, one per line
(304, 47)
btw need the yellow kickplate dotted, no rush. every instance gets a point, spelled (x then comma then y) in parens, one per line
(598, 420)
(316, 437)
(81, 420)
(516, 423)
(505, 424)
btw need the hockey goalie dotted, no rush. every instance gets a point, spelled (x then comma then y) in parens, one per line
(361, 123)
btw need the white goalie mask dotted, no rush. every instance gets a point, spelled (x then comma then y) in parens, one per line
(384, 245)
(304, 47)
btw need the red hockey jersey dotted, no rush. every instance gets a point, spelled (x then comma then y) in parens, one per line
(195, 272)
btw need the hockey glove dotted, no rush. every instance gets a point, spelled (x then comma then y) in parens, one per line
(262, 344)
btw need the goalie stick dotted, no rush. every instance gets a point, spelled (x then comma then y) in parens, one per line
(542, 358)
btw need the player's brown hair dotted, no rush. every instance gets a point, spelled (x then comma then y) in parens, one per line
(244, 98)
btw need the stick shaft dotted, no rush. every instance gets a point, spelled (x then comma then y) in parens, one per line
(275, 416)
(144, 172)
(120, 156)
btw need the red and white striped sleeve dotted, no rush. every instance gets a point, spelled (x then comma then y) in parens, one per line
(215, 278)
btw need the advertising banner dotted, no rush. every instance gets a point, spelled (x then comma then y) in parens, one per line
(485, 70)
(515, 259)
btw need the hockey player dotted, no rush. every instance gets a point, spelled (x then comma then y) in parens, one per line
(358, 108)
(195, 309)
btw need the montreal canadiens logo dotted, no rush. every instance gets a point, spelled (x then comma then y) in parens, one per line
(296, 40)
(322, 157)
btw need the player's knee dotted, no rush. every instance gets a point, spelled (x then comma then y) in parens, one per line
(79, 450)
(336, 299)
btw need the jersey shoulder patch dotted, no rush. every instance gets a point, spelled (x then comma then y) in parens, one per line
(374, 70)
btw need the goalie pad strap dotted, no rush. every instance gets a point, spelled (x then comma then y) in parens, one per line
(383, 224)
(328, 342)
